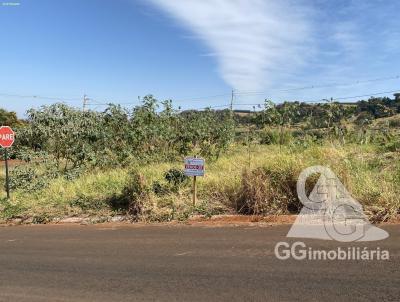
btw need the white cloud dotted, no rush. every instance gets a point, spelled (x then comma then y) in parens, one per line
(270, 45)
(255, 42)
(348, 38)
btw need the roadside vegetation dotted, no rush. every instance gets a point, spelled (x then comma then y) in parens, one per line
(68, 163)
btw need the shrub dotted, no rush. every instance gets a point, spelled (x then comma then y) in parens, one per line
(394, 123)
(135, 194)
(27, 179)
(41, 219)
(10, 210)
(275, 137)
(176, 178)
(265, 191)
(270, 190)
(87, 203)
(159, 188)
(117, 135)
(392, 146)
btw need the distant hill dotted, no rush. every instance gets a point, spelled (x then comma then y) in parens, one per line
(318, 113)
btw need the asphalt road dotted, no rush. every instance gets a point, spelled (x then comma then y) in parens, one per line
(183, 263)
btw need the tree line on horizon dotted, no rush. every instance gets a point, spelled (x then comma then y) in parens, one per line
(370, 109)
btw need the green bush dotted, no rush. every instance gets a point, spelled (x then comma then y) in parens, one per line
(176, 178)
(394, 123)
(392, 146)
(87, 203)
(276, 137)
(9, 210)
(27, 179)
(117, 136)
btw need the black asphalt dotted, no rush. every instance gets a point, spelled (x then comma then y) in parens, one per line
(183, 263)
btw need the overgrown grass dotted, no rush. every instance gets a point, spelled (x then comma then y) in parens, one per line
(248, 180)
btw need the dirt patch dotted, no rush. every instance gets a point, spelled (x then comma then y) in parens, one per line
(12, 162)
(217, 220)
(395, 220)
(243, 219)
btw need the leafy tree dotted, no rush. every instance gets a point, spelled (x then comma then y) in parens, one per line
(118, 136)
(8, 118)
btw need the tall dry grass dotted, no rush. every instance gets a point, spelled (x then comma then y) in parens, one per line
(257, 180)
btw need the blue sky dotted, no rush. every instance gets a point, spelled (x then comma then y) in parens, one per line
(115, 51)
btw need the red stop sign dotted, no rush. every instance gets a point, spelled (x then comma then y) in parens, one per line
(7, 137)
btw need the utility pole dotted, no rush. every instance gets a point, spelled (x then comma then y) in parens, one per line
(85, 100)
(232, 98)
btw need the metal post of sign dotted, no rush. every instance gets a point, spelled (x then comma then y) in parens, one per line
(194, 191)
(194, 188)
(7, 177)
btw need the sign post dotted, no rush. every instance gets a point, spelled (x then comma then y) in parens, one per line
(7, 137)
(194, 190)
(7, 177)
(194, 167)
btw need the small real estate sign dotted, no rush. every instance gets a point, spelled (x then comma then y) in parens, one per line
(194, 166)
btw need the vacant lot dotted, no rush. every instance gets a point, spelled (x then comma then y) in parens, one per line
(68, 162)
(256, 180)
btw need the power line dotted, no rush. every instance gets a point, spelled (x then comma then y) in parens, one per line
(249, 92)
(219, 106)
(334, 99)
(201, 98)
(111, 102)
(39, 97)
(97, 104)
(192, 99)
(175, 101)
(366, 95)
(233, 94)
